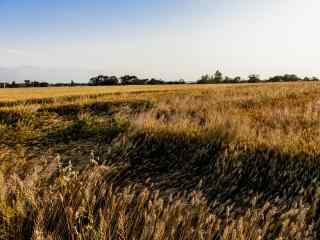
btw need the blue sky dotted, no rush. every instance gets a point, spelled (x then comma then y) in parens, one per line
(170, 39)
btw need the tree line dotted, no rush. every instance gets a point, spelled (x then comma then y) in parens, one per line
(218, 77)
(26, 83)
(103, 80)
(36, 84)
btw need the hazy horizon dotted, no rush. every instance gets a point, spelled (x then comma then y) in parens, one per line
(73, 40)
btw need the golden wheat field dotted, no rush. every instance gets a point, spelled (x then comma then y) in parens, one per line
(161, 162)
(16, 94)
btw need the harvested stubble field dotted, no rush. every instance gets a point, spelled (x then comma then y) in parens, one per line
(161, 162)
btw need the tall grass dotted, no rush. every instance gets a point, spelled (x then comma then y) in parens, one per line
(88, 206)
(202, 162)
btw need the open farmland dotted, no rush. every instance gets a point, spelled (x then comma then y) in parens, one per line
(21, 94)
(161, 162)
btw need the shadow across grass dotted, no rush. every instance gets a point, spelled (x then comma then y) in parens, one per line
(222, 170)
(98, 108)
(211, 162)
(12, 116)
(81, 130)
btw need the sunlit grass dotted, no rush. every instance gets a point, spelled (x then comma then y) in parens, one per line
(160, 162)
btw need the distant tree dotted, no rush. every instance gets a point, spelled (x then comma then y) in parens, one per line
(276, 79)
(218, 77)
(27, 83)
(140, 81)
(254, 78)
(154, 81)
(72, 84)
(106, 80)
(100, 79)
(103, 80)
(128, 79)
(113, 80)
(181, 81)
(43, 84)
(35, 84)
(237, 79)
(285, 78)
(205, 79)
(94, 81)
(290, 78)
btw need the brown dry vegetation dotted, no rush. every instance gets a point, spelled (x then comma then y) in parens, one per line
(169, 162)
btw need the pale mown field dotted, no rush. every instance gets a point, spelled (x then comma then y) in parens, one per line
(16, 94)
(161, 162)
